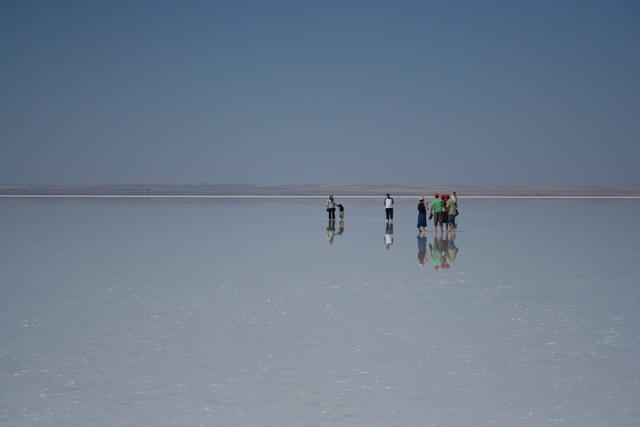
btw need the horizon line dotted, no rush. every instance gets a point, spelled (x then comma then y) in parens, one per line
(282, 196)
(312, 184)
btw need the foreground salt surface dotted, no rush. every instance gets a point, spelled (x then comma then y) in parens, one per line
(241, 313)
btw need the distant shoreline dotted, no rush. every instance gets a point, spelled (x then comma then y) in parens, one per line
(281, 196)
(202, 190)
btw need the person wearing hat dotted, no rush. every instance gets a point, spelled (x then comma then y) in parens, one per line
(437, 207)
(445, 218)
(422, 215)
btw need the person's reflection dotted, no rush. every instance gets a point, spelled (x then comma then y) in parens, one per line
(422, 248)
(435, 252)
(388, 235)
(331, 230)
(444, 251)
(341, 227)
(450, 249)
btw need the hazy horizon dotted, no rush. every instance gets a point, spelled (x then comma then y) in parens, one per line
(187, 190)
(300, 184)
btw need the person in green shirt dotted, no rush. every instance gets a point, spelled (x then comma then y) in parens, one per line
(437, 207)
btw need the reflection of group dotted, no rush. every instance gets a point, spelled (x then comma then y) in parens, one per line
(442, 252)
(331, 229)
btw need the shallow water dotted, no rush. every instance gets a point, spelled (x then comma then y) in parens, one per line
(260, 312)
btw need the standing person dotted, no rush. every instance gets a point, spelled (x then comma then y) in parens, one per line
(422, 215)
(455, 199)
(341, 210)
(388, 208)
(445, 218)
(437, 207)
(331, 207)
(451, 209)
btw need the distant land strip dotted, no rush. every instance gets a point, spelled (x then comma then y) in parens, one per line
(274, 196)
(202, 190)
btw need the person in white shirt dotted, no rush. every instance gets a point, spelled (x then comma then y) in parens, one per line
(331, 207)
(388, 208)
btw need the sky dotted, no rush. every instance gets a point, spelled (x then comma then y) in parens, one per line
(311, 92)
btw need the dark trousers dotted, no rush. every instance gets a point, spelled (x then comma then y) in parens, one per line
(332, 213)
(389, 212)
(438, 218)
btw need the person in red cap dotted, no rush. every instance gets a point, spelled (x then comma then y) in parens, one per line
(437, 207)
(445, 218)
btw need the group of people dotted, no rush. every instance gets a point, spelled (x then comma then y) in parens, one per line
(443, 211)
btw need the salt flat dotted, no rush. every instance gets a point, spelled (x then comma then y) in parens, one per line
(259, 312)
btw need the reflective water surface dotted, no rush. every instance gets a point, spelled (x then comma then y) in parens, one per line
(263, 312)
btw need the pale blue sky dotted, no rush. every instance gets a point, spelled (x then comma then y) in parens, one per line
(440, 92)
